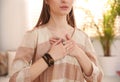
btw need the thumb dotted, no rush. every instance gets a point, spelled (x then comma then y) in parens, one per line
(68, 37)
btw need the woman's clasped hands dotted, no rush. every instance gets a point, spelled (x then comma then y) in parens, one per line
(60, 48)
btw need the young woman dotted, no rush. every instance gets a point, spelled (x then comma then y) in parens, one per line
(58, 50)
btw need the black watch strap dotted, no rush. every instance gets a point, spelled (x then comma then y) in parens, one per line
(48, 59)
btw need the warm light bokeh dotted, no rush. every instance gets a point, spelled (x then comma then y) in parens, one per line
(87, 11)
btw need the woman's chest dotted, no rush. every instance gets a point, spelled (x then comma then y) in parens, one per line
(43, 45)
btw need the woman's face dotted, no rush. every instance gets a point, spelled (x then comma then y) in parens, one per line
(60, 7)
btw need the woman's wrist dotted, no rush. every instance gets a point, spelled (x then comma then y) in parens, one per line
(48, 59)
(52, 55)
(79, 53)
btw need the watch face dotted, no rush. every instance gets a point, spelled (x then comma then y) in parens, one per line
(51, 61)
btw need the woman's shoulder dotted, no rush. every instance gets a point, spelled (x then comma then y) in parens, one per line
(81, 32)
(36, 29)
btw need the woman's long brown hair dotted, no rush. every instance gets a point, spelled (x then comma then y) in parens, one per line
(45, 16)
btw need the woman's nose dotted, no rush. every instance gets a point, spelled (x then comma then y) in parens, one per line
(64, 1)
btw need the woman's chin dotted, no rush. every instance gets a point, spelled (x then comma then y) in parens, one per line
(63, 13)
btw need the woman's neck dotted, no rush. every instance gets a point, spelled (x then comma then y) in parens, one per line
(57, 22)
(59, 26)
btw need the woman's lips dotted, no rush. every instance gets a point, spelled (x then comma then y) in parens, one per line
(64, 7)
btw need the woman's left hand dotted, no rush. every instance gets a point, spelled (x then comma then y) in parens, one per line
(75, 50)
(81, 56)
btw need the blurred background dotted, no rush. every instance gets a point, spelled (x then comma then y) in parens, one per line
(18, 16)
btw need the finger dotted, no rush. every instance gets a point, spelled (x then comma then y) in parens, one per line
(68, 37)
(53, 40)
(63, 41)
(67, 44)
(57, 42)
(70, 47)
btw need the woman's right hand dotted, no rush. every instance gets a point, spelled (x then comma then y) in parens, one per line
(58, 50)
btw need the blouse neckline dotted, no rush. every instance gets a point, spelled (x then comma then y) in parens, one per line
(50, 34)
